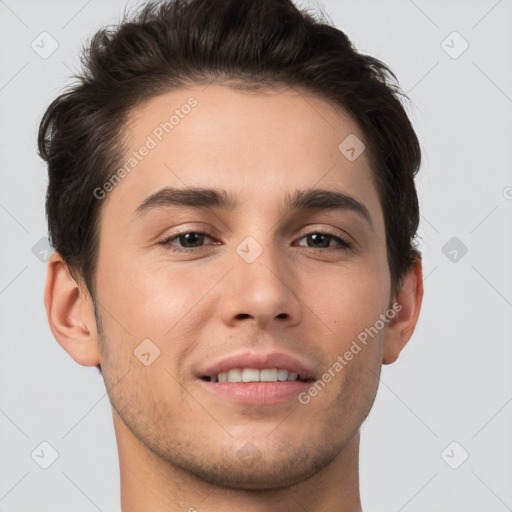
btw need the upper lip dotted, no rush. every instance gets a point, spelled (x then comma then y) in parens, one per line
(259, 361)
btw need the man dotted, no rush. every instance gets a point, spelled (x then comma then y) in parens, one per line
(232, 205)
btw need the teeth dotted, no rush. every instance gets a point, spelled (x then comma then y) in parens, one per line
(250, 375)
(254, 375)
(268, 375)
(282, 375)
(235, 375)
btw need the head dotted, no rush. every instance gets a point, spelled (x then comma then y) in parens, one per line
(260, 102)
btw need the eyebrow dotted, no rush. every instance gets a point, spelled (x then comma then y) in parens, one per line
(198, 197)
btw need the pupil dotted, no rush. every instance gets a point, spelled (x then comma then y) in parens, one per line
(319, 236)
(197, 236)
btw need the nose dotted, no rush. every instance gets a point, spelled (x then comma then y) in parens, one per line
(261, 291)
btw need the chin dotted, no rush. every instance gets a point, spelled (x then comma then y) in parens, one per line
(253, 470)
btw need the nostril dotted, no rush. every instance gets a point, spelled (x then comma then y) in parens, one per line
(243, 315)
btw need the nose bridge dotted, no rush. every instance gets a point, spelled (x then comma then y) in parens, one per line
(259, 285)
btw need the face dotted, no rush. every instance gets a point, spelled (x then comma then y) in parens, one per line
(264, 275)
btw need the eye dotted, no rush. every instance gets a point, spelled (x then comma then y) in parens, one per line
(189, 240)
(322, 240)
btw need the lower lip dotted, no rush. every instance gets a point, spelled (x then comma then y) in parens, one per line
(257, 393)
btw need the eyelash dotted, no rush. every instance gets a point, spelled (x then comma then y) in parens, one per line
(345, 245)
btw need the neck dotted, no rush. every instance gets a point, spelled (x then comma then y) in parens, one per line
(151, 483)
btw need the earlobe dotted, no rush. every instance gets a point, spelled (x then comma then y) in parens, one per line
(70, 313)
(401, 327)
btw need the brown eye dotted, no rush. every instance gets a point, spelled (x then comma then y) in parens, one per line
(321, 240)
(186, 241)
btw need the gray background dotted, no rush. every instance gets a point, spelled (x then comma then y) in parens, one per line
(452, 383)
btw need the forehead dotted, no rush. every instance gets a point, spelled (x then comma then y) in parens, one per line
(259, 144)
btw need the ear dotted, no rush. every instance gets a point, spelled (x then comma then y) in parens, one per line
(408, 299)
(70, 313)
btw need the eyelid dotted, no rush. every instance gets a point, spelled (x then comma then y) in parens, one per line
(180, 230)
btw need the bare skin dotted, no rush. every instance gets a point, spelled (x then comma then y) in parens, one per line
(183, 447)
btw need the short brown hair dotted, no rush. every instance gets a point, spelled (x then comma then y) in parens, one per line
(259, 43)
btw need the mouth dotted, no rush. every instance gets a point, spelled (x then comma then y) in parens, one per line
(257, 378)
(255, 375)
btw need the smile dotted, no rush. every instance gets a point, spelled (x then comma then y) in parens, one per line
(254, 375)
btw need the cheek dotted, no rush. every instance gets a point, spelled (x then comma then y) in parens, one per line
(161, 301)
(350, 300)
